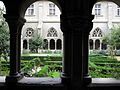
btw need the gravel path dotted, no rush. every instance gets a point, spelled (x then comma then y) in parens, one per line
(117, 57)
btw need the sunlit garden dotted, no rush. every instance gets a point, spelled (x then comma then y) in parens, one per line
(49, 64)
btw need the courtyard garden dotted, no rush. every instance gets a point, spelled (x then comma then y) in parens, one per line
(50, 65)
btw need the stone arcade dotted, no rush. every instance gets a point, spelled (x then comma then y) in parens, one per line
(76, 24)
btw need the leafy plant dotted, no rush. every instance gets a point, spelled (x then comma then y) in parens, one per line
(54, 74)
(36, 43)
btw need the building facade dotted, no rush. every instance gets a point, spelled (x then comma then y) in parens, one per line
(76, 23)
(43, 18)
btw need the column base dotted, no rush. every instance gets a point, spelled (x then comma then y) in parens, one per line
(87, 80)
(14, 78)
(65, 79)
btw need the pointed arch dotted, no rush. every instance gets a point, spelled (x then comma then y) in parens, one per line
(52, 44)
(59, 44)
(97, 44)
(104, 45)
(97, 33)
(45, 42)
(91, 44)
(52, 32)
(25, 44)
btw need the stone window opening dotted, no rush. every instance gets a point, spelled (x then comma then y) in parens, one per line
(30, 10)
(97, 33)
(97, 9)
(29, 32)
(59, 44)
(51, 9)
(118, 11)
(25, 44)
(52, 33)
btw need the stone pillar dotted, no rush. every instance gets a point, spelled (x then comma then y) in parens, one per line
(21, 45)
(93, 44)
(77, 62)
(55, 44)
(67, 51)
(100, 44)
(76, 30)
(48, 44)
(85, 53)
(15, 25)
(28, 44)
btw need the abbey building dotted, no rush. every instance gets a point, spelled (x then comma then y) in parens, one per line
(43, 18)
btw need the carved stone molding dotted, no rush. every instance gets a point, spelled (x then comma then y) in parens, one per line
(76, 23)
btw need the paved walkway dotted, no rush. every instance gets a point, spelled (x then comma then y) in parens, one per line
(42, 55)
(117, 57)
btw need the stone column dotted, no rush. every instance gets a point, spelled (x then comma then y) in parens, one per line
(15, 25)
(100, 44)
(21, 45)
(85, 53)
(48, 44)
(76, 30)
(67, 51)
(93, 44)
(55, 44)
(28, 44)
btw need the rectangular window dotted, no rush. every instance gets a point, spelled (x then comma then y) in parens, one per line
(30, 10)
(97, 9)
(118, 11)
(51, 9)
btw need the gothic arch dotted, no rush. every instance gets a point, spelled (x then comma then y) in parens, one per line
(45, 46)
(97, 44)
(91, 44)
(59, 44)
(52, 32)
(104, 45)
(25, 44)
(97, 32)
(52, 44)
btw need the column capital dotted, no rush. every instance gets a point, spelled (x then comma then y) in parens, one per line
(76, 23)
(14, 19)
(15, 23)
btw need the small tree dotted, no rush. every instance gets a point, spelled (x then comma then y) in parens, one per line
(4, 36)
(36, 43)
(112, 39)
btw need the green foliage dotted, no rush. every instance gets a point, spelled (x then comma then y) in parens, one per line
(113, 40)
(43, 72)
(4, 43)
(43, 58)
(101, 66)
(4, 36)
(36, 43)
(30, 67)
(54, 74)
(4, 67)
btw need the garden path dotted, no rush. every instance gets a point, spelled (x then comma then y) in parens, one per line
(117, 57)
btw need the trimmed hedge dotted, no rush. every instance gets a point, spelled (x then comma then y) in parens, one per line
(53, 58)
(104, 67)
